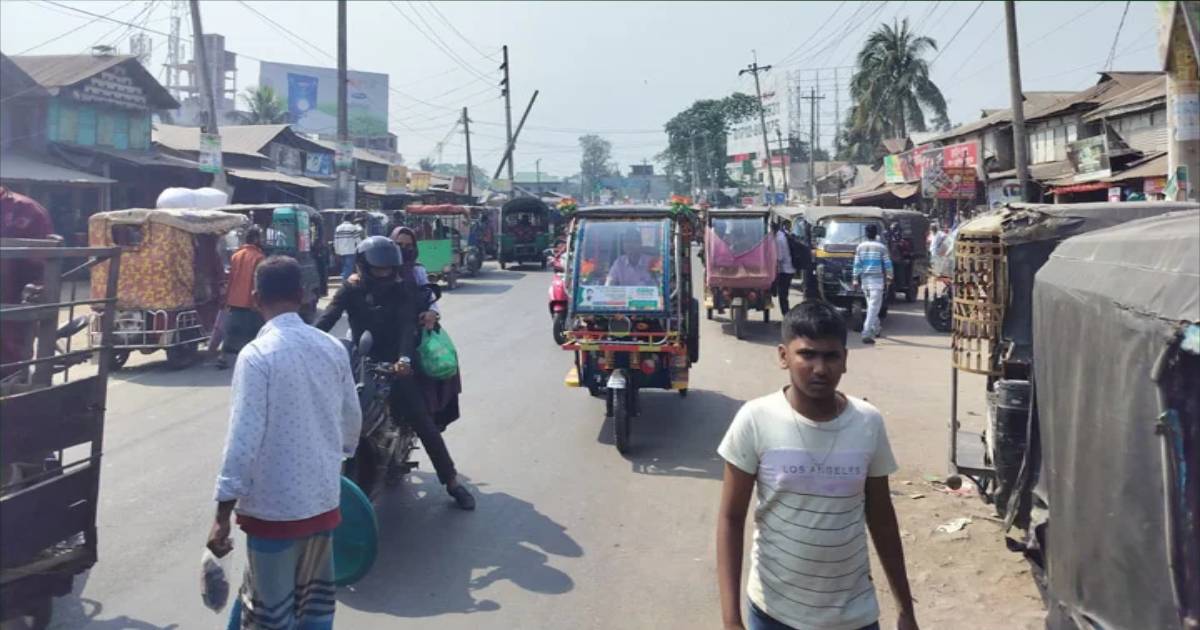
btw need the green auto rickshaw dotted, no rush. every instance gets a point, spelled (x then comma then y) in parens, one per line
(526, 231)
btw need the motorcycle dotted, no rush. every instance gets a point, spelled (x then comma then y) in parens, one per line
(385, 445)
(558, 296)
(938, 307)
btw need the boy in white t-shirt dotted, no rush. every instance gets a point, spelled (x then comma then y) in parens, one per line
(818, 461)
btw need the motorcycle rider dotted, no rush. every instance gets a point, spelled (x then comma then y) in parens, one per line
(390, 308)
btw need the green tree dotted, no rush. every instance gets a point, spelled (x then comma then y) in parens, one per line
(426, 164)
(595, 163)
(891, 90)
(264, 107)
(696, 137)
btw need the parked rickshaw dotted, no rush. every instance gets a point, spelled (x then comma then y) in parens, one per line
(52, 433)
(170, 286)
(295, 230)
(442, 230)
(740, 264)
(526, 231)
(632, 321)
(836, 233)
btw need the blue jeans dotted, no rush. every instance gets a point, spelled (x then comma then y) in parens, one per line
(347, 265)
(760, 620)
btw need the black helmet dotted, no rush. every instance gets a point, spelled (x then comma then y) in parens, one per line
(378, 251)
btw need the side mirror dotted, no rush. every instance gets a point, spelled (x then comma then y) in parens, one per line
(365, 343)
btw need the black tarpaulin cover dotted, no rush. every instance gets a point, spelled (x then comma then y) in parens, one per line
(1105, 306)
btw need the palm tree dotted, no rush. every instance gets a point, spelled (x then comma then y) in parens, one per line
(264, 106)
(891, 88)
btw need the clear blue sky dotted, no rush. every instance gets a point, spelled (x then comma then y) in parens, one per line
(614, 68)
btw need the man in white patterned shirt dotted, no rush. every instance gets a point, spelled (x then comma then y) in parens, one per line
(294, 417)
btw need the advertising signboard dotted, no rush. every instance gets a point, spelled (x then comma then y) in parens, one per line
(892, 173)
(397, 179)
(318, 164)
(418, 181)
(1089, 156)
(210, 153)
(311, 96)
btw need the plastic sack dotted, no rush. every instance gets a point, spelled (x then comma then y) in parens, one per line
(214, 580)
(203, 198)
(439, 359)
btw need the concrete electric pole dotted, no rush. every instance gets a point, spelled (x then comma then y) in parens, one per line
(208, 99)
(812, 142)
(507, 93)
(343, 176)
(754, 69)
(783, 155)
(466, 121)
(1020, 146)
(1181, 26)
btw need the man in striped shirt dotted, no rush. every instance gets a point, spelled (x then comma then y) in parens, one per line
(872, 272)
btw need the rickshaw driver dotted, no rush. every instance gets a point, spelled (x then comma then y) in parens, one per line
(632, 268)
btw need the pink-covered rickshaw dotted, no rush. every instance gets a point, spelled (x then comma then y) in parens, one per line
(739, 264)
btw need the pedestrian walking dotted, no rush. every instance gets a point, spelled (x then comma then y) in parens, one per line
(873, 273)
(346, 238)
(818, 461)
(294, 417)
(784, 271)
(243, 320)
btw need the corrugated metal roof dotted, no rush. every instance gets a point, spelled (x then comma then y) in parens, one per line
(59, 71)
(275, 176)
(1140, 97)
(1033, 101)
(16, 82)
(360, 153)
(28, 168)
(238, 139)
(1043, 172)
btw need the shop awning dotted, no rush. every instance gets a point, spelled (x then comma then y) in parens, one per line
(28, 168)
(1078, 188)
(1154, 166)
(899, 191)
(276, 177)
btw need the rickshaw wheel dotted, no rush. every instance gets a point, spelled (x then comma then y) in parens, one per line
(709, 313)
(560, 328)
(503, 265)
(452, 280)
(738, 315)
(117, 359)
(621, 420)
(858, 317)
(767, 315)
(683, 393)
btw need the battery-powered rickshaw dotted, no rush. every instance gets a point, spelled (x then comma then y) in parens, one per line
(526, 230)
(836, 233)
(296, 230)
(739, 264)
(171, 278)
(444, 232)
(632, 322)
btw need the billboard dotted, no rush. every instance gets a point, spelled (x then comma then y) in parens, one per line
(310, 94)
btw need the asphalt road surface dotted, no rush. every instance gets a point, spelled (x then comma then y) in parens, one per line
(568, 533)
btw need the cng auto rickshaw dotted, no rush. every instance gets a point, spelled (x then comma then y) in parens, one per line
(836, 233)
(1072, 316)
(632, 322)
(296, 230)
(526, 231)
(442, 230)
(52, 432)
(739, 263)
(170, 287)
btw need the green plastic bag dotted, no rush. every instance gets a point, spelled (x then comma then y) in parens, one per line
(439, 359)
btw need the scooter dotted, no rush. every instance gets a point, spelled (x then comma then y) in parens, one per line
(938, 307)
(558, 296)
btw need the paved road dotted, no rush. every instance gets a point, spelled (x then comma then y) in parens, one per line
(568, 533)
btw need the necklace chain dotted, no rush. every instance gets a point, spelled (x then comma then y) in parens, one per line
(800, 431)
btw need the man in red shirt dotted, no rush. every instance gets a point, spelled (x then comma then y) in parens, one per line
(243, 321)
(20, 217)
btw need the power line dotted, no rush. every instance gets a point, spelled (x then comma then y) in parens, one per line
(840, 38)
(1112, 51)
(296, 38)
(818, 30)
(816, 42)
(1055, 30)
(77, 28)
(956, 33)
(442, 17)
(983, 41)
(436, 41)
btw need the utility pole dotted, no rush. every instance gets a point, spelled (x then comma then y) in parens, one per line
(1183, 86)
(343, 123)
(517, 134)
(506, 91)
(812, 141)
(208, 100)
(537, 164)
(466, 121)
(837, 115)
(754, 69)
(1020, 148)
(783, 155)
(695, 171)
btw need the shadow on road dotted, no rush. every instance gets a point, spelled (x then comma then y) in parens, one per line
(477, 286)
(434, 558)
(677, 436)
(158, 374)
(74, 611)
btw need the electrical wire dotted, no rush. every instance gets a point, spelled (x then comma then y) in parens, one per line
(1116, 38)
(1055, 30)
(836, 43)
(442, 17)
(296, 39)
(433, 39)
(956, 33)
(77, 28)
(818, 30)
(971, 56)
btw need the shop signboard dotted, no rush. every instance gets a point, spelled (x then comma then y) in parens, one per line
(397, 179)
(210, 153)
(318, 164)
(892, 173)
(458, 185)
(418, 181)
(1089, 156)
